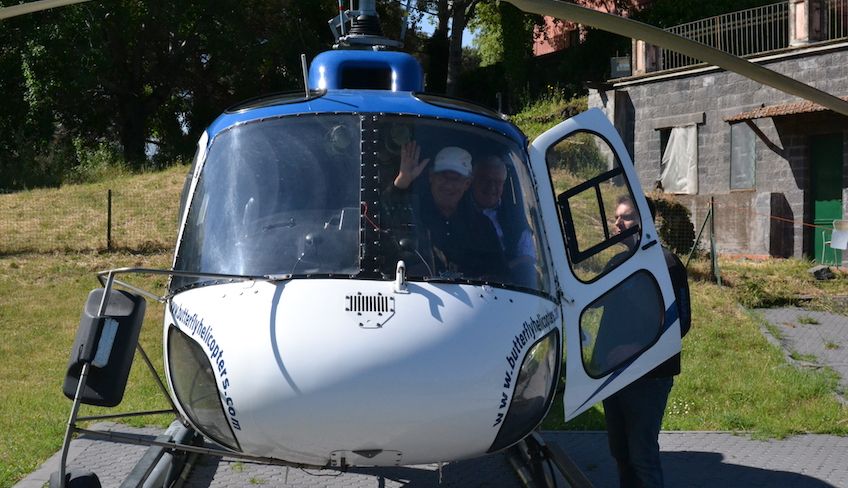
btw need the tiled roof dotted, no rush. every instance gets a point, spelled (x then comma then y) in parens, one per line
(803, 107)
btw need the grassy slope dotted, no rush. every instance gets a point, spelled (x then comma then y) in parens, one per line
(74, 216)
(41, 298)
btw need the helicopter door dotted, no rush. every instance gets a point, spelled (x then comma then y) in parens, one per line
(619, 313)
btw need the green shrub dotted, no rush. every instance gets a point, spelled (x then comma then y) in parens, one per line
(98, 163)
(548, 111)
(674, 223)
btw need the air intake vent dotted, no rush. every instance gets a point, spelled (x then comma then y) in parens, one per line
(370, 303)
(372, 311)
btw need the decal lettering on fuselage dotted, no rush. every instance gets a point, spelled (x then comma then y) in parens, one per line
(194, 325)
(531, 329)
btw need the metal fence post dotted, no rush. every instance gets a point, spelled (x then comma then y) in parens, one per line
(713, 254)
(109, 220)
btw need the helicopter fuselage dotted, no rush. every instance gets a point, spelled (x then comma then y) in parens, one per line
(376, 336)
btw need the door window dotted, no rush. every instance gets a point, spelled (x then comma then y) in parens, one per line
(743, 156)
(621, 324)
(602, 225)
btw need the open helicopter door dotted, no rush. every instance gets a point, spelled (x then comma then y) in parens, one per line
(618, 303)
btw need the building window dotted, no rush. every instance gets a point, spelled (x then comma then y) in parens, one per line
(743, 156)
(679, 165)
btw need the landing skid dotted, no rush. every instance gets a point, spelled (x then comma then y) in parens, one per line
(538, 463)
(160, 466)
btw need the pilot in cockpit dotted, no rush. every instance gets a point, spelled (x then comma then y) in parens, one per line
(464, 243)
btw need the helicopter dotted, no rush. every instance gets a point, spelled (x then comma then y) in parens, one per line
(313, 319)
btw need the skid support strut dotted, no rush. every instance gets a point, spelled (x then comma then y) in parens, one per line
(534, 462)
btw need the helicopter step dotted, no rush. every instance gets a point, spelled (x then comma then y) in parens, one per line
(535, 460)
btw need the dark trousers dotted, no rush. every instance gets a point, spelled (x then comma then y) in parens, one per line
(634, 417)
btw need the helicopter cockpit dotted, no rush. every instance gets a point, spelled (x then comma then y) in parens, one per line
(309, 196)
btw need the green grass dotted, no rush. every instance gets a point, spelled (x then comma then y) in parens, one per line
(41, 298)
(44, 279)
(806, 358)
(547, 112)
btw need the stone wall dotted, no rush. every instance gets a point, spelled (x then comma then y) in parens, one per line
(747, 221)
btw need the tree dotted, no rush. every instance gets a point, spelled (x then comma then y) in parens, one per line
(26, 124)
(438, 47)
(489, 38)
(443, 56)
(131, 72)
(517, 34)
(505, 35)
(461, 12)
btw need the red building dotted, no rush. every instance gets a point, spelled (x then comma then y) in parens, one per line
(561, 34)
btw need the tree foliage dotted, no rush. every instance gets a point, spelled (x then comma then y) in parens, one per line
(109, 80)
(444, 56)
(130, 73)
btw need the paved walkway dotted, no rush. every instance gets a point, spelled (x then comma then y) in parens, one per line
(816, 339)
(690, 459)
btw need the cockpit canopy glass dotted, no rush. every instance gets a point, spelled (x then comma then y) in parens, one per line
(316, 195)
(280, 196)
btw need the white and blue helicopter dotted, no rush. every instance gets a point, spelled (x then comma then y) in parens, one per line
(315, 316)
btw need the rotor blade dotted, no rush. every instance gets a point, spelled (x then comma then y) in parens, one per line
(658, 37)
(31, 7)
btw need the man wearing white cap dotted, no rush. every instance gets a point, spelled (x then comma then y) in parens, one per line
(462, 239)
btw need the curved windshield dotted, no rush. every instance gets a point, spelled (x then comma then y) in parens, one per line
(278, 196)
(352, 195)
(457, 204)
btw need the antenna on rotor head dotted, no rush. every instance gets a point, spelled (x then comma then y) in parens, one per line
(365, 31)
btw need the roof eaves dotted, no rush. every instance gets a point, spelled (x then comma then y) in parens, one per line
(783, 110)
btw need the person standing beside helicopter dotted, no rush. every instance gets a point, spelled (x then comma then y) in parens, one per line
(463, 241)
(634, 414)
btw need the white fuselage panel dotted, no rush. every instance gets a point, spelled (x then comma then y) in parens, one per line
(307, 374)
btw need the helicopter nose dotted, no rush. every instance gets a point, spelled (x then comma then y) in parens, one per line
(305, 357)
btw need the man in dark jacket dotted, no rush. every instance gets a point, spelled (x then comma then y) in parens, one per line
(634, 414)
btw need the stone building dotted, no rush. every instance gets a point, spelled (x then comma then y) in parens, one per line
(774, 164)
